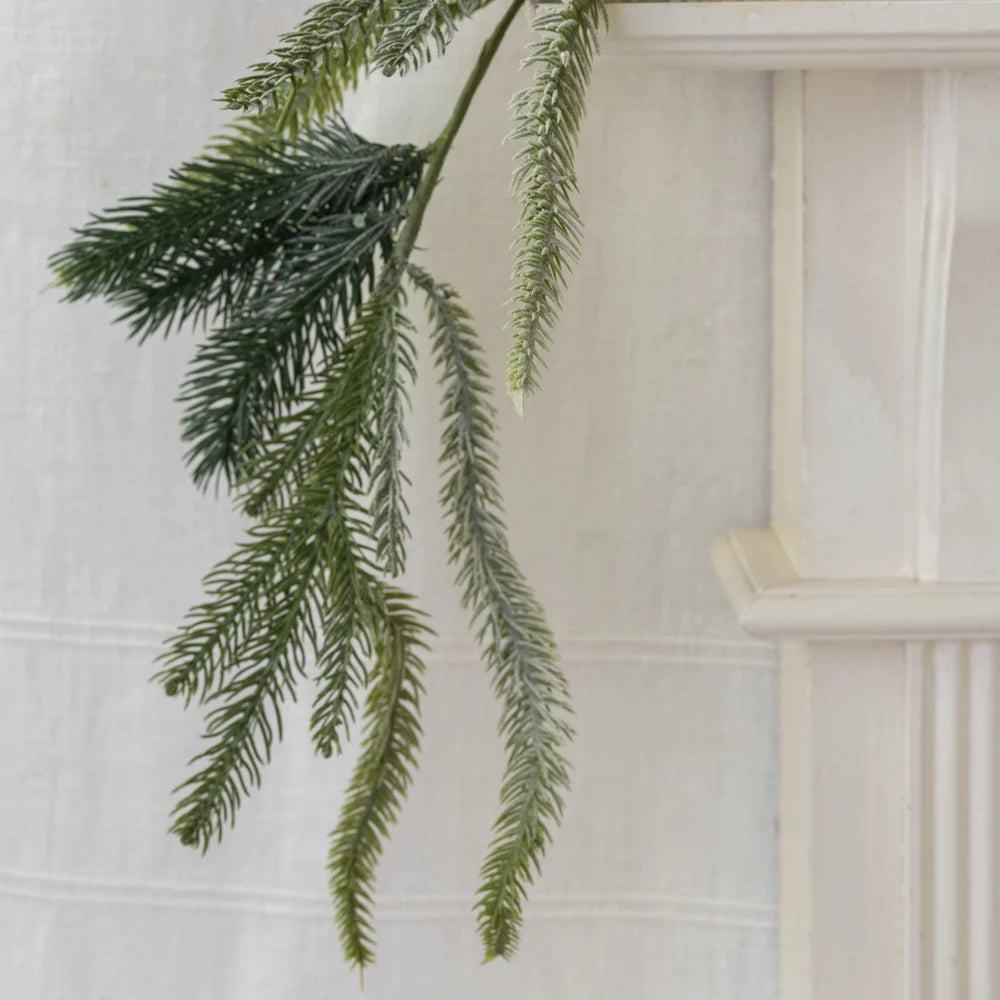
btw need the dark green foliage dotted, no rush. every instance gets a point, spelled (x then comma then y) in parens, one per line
(306, 581)
(518, 645)
(311, 67)
(291, 241)
(266, 658)
(547, 117)
(277, 246)
(383, 772)
(282, 596)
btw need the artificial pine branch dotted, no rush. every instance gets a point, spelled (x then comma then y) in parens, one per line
(277, 246)
(312, 66)
(347, 644)
(291, 239)
(246, 372)
(201, 244)
(383, 772)
(519, 648)
(245, 713)
(397, 369)
(547, 117)
(406, 42)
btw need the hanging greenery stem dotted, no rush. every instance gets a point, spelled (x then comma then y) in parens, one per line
(291, 241)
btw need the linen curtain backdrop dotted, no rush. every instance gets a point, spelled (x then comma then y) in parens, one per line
(648, 439)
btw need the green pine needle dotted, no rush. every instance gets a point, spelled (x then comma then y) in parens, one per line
(289, 240)
(547, 117)
(382, 775)
(420, 30)
(304, 581)
(397, 370)
(310, 69)
(210, 644)
(276, 246)
(519, 648)
(346, 645)
(245, 715)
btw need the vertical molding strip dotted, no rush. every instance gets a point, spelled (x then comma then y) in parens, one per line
(961, 866)
(788, 508)
(915, 886)
(982, 816)
(795, 844)
(937, 230)
(947, 842)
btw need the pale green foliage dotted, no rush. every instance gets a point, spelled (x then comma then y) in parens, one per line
(518, 645)
(312, 66)
(407, 41)
(397, 369)
(547, 117)
(383, 771)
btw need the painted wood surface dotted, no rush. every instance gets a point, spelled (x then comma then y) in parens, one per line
(807, 34)
(879, 574)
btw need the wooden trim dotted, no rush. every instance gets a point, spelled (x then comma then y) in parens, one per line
(805, 34)
(773, 602)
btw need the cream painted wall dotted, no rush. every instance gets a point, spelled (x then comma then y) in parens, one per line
(648, 440)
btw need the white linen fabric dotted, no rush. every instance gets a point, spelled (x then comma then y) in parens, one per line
(648, 439)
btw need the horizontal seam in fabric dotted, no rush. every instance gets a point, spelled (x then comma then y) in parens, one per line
(48, 887)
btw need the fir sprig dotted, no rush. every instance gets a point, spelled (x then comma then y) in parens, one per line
(267, 656)
(383, 772)
(389, 509)
(304, 581)
(519, 648)
(214, 634)
(419, 30)
(547, 117)
(206, 240)
(291, 238)
(308, 72)
(246, 372)
(346, 646)
(277, 246)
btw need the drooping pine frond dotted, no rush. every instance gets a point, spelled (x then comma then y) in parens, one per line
(348, 629)
(519, 648)
(398, 369)
(246, 372)
(277, 246)
(547, 117)
(210, 644)
(313, 65)
(289, 239)
(382, 774)
(198, 246)
(418, 30)
(245, 717)
(303, 580)
(329, 423)
(321, 458)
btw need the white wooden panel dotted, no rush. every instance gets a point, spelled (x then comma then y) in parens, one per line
(982, 820)
(810, 34)
(858, 741)
(970, 470)
(882, 561)
(860, 144)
